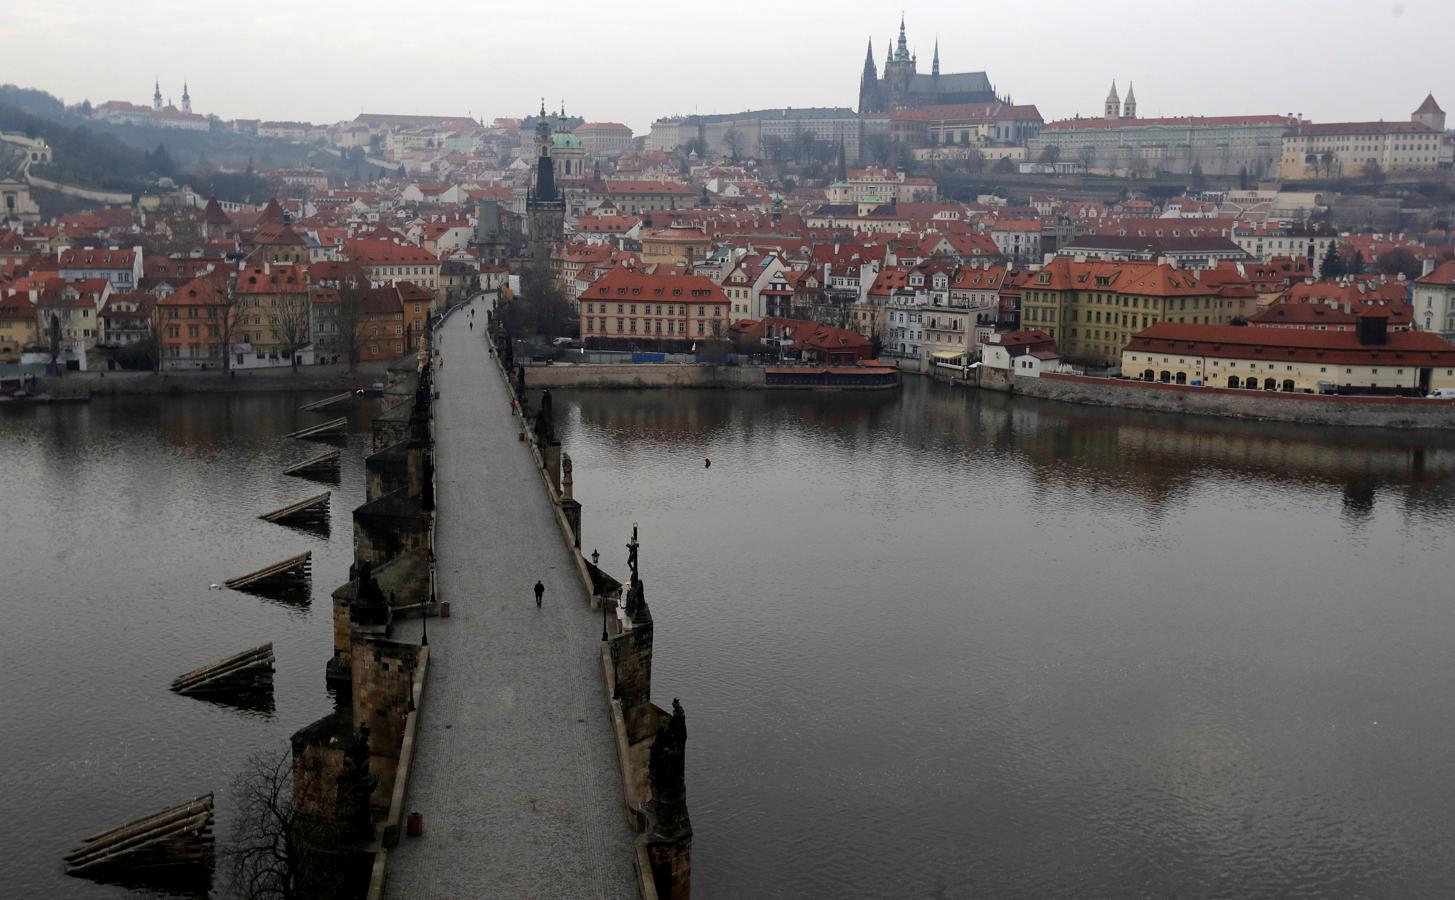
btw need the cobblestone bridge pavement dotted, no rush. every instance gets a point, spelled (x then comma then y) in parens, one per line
(515, 769)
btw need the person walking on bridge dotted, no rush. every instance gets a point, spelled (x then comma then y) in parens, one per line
(540, 592)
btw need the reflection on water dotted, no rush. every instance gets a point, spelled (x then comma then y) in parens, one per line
(119, 515)
(954, 644)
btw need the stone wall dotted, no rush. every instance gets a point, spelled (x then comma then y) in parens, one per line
(383, 686)
(1312, 409)
(649, 375)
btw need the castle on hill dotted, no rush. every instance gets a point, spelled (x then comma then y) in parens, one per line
(903, 86)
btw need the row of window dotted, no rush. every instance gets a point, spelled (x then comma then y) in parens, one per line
(629, 326)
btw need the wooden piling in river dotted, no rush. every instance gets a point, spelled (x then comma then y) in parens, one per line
(177, 836)
(332, 430)
(292, 572)
(248, 672)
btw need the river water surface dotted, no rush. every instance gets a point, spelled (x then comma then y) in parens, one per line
(930, 644)
(948, 644)
(118, 516)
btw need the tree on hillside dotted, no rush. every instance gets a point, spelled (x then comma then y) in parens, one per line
(1356, 263)
(732, 141)
(1326, 161)
(1243, 178)
(975, 161)
(160, 164)
(1373, 171)
(1199, 180)
(1004, 166)
(1332, 265)
(1050, 155)
(1399, 261)
(227, 325)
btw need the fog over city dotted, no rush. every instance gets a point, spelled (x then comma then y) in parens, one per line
(633, 62)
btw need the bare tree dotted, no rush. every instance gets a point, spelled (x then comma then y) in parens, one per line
(225, 328)
(353, 295)
(288, 317)
(278, 852)
(732, 141)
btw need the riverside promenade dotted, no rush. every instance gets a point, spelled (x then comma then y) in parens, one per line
(515, 769)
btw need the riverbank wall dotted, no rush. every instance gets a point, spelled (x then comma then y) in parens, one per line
(1306, 409)
(652, 375)
(624, 376)
(312, 378)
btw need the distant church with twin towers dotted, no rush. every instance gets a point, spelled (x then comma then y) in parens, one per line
(903, 86)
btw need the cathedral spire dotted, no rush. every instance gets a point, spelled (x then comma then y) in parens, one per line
(902, 48)
(935, 67)
(869, 83)
(157, 95)
(1129, 108)
(1113, 103)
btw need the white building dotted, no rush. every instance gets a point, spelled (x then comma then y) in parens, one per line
(120, 267)
(1434, 301)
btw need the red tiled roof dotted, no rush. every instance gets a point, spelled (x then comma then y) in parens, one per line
(271, 279)
(97, 259)
(1413, 348)
(628, 284)
(1088, 124)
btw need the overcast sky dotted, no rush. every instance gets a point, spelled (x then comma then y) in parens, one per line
(636, 60)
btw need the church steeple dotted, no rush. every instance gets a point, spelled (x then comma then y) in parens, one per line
(901, 51)
(869, 83)
(1129, 108)
(935, 66)
(1113, 104)
(157, 96)
(186, 99)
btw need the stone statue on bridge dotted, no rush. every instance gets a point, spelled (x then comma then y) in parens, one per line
(666, 766)
(355, 785)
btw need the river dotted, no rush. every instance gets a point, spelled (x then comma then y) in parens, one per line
(949, 644)
(118, 516)
(930, 644)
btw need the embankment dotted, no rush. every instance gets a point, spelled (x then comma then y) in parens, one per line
(1309, 409)
(654, 375)
(321, 378)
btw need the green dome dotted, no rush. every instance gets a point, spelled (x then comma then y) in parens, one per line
(565, 140)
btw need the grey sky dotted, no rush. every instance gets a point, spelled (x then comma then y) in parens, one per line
(326, 60)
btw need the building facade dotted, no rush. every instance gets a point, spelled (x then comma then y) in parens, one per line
(1092, 309)
(627, 305)
(1121, 144)
(1332, 149)
(1367, 360)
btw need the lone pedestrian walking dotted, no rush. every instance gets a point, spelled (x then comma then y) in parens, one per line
(540, 592)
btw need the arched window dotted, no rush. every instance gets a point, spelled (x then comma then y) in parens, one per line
(1288, 384)
(1269, 384)
(1165, 377)
(1232, 381)
(1182, 378)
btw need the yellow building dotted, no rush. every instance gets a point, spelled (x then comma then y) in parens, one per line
(1092, 309)
(669, 245)
(1370, 359)
(272, 310)
(17, 327)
